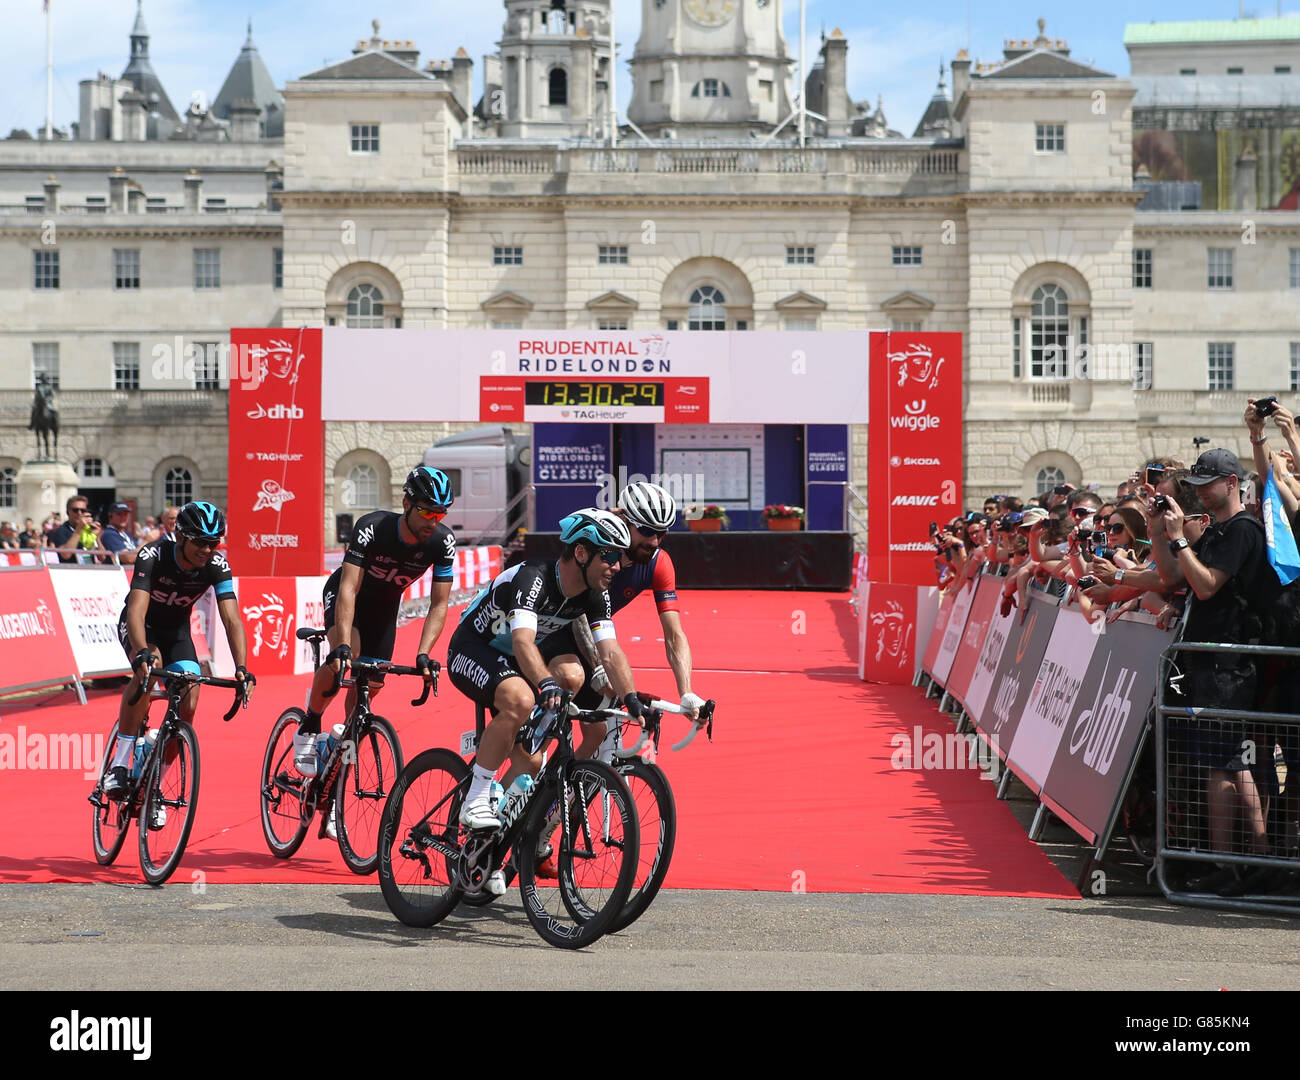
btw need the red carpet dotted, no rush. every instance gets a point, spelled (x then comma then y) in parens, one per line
(796, 792)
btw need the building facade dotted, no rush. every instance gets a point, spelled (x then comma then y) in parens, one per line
(1107, 316)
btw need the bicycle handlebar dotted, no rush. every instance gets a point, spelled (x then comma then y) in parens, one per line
(384, 667)
(657, 708)
(243, 690)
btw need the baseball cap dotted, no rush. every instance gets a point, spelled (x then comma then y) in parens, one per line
(1032, 516)
(119, 508)
(1213, 464)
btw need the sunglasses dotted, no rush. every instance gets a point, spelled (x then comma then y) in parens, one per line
(1080, 512)
(611, 556)
(647, 533)
(1116, 528)
(429, 513)
(207, 545)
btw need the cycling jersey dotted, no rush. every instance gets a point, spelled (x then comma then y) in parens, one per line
(173, 590)
(657, 574)
(388, 565)
(528, 595)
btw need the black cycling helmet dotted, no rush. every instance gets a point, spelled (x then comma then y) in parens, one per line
(425, 484)
(201, 521)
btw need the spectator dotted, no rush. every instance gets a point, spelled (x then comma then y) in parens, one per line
(166, 526)
(80, 532)
(29, 537)
(116, 537)
(8, 535)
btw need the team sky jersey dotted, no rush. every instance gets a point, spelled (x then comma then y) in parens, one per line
(658, 574)
(388, 566)
(528, 595)
(172, 590)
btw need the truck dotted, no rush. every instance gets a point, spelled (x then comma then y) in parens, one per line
(490, 469)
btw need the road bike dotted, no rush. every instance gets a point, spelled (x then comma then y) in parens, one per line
(579, 811)
(353, 780)
(163, 787)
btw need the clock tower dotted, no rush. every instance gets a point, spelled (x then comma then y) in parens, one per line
(707, 69)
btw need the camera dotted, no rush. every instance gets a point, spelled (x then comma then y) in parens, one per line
(1098, 538)
(1087, 582)
(1107, 553)
(1154, 473)
(934, 527)
(1266, 406)
(1160, 503)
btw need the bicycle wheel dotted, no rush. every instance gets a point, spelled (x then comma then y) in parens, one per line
(170, 784)
(596, 853)
(282, 789)
(419, 838)
(363, 783)
(112, 816)
(657, 832)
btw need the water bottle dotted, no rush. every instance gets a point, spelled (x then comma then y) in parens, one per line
(523, 784)
(144, 745)
(325, 746)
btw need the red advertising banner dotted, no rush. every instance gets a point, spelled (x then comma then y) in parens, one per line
(915, 471)
(270, 610)
(34, 646)
(889, 646)
(276, 503)
(988, 592)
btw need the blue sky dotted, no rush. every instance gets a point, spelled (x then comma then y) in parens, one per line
(194, 42)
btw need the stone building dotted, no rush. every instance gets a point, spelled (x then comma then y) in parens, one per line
(1104, 322)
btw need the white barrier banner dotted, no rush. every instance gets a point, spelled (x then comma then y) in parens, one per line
(311, 612)
(91, 599)
(953, 633)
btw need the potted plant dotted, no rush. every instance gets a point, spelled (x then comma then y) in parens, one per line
(707, 518)
(783, 518)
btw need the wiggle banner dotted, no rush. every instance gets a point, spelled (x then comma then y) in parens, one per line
(915, 469)
(276, 504)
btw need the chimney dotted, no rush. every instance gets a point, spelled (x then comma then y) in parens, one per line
(135, 203)
(1243, 181)
(193, 192)
(51, 195)
(117, 181)
(960, 84)
(835, 75)
(135, 116)
(462, 76)
(245, 121)
(274, 183)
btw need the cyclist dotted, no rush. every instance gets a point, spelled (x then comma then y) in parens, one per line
(386, 552)
(168, 578)
(494, 657)
(649, 512)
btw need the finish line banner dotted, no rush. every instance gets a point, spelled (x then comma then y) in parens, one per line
(915, 469)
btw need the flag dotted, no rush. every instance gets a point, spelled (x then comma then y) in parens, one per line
(1283, 555)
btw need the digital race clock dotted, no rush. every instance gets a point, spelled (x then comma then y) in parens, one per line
(575, 392)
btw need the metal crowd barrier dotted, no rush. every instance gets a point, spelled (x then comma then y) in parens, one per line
(1226, 822)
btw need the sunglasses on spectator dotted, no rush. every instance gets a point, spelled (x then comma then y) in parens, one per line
(1081, 512)
(1116, 528)
(647, 533)
(430, 513)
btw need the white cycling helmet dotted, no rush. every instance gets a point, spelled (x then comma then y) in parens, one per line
(648, 505)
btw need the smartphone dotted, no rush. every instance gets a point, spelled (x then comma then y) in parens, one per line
(1155, 473)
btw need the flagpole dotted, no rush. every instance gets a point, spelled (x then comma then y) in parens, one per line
(49, 73)
(803, 72)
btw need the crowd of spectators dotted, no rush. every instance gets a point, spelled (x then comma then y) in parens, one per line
(80, 537)
(1190, 544)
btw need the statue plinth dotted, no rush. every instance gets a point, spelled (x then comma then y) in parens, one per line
(43, 487)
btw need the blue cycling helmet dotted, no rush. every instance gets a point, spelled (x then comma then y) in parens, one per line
(201, 521)
(599, 528)
(425, 484)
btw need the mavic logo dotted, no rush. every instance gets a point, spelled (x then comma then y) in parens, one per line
(915, 500)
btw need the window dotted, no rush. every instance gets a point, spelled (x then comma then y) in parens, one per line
(45, 269)
(1143, 365)
(93, 468)
(1141, 268)
(708, 310)
(611, 324)
(45, 361)
(207, 268)
(656, 94)
(507, 256)
(1186, 71)
(8, 488)
(178, 486)
(36, 204)
(612, 255)
(907, 256)
(710, 88)
(558, 86)
(155, 204)
(365, 138)
(1219, 262)
(207, 365)
(802, 324)
(1049, 138)
(1295, 365)
(1295, 268)
(1048, 478)
(1220, 364)
(126, 268)
(277, 268)
(1282, 69)
(507, 324)
(1049, 330)
(96, 204)
(905, 326)
(126, 365)
(361, 488)
(215, 206)
(1016, 322)
(1236, 71)
(800, 256)
(365, 308)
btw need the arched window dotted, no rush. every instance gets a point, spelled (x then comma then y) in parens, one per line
(710, 88)
(365, 308)
(361, 489)
(1047, 478)
(559, 85)
(708, 310)
(178, 486)
(1049, 332)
